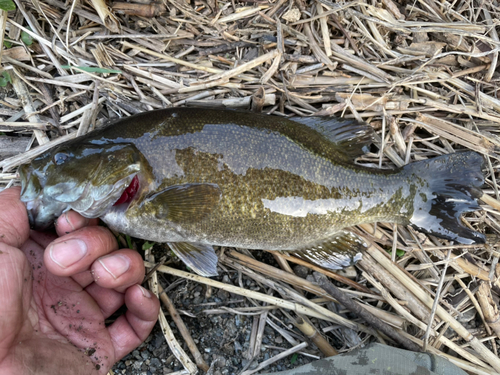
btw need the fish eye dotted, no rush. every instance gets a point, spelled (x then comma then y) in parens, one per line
(60, 158)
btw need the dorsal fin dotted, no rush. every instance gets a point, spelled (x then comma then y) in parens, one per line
(351, 136)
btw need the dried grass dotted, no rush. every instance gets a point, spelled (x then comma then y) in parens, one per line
(422, 73)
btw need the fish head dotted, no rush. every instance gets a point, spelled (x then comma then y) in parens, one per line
(87, 178)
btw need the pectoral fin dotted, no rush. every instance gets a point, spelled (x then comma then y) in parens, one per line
(200, 258)
(185, 203)
(339, 251)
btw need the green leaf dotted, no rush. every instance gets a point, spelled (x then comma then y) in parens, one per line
(7, 44)
(147, 245)
(7, 5)
(294, 358)
(399, 252)
(26, 38)
(129, 242)
(92, 70)
(6, 76)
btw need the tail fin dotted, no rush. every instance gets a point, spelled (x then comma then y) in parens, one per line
(450, 185)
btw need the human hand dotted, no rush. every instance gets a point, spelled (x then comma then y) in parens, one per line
(53, 303)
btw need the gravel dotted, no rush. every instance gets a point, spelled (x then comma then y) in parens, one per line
(222, 338)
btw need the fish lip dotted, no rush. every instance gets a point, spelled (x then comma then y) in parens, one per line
(31, 217)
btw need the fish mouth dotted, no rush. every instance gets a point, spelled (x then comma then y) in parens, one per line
(44, 204)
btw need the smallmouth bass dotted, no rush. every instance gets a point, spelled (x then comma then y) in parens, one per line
(198, 178)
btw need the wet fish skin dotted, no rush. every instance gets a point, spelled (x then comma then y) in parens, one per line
(211, 177)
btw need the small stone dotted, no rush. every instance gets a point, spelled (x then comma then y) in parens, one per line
(145, 354)
(158, 341)
(155, 362)
(237, 347)
(136, 354)
(278, 339)
(467, 316)
(301, 271)
(219, 361)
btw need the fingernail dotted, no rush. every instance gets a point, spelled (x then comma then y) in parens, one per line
(75, 221)
(68, 221)
(116, 265)
(67, 253)
(145, 292)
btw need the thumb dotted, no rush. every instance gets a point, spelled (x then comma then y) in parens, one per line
(14, 224)
(15, 294)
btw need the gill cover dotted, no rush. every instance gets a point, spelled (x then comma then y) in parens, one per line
(87, 178)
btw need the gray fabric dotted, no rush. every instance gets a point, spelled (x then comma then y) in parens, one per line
(378, 359)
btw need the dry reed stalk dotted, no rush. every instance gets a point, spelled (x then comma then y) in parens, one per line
(328, 273)
(316, 337)
(423, 326)
(488, 308)
(355, 308)
(463, 264)
(3, 24)
(486, 354)
(276, 358)
(173, 344)
(311, 310)
(109, 20)
(200, 362)
(305, 285)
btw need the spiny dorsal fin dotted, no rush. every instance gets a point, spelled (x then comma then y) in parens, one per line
(351, 136)
(336, 252)
(200, 258)
(185, 203)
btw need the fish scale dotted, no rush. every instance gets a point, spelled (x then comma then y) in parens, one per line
(226, 178)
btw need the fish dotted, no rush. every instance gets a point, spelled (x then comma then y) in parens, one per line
(197, 178)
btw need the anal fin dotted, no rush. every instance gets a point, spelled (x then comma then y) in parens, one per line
(339, 251)
(200, 258)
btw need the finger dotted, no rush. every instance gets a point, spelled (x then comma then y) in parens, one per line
(84, 279)
(108, 300)
(131, 329)
(15, 293)
(75, 252)
(71, 221)
(119, 270)
(14, 224)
